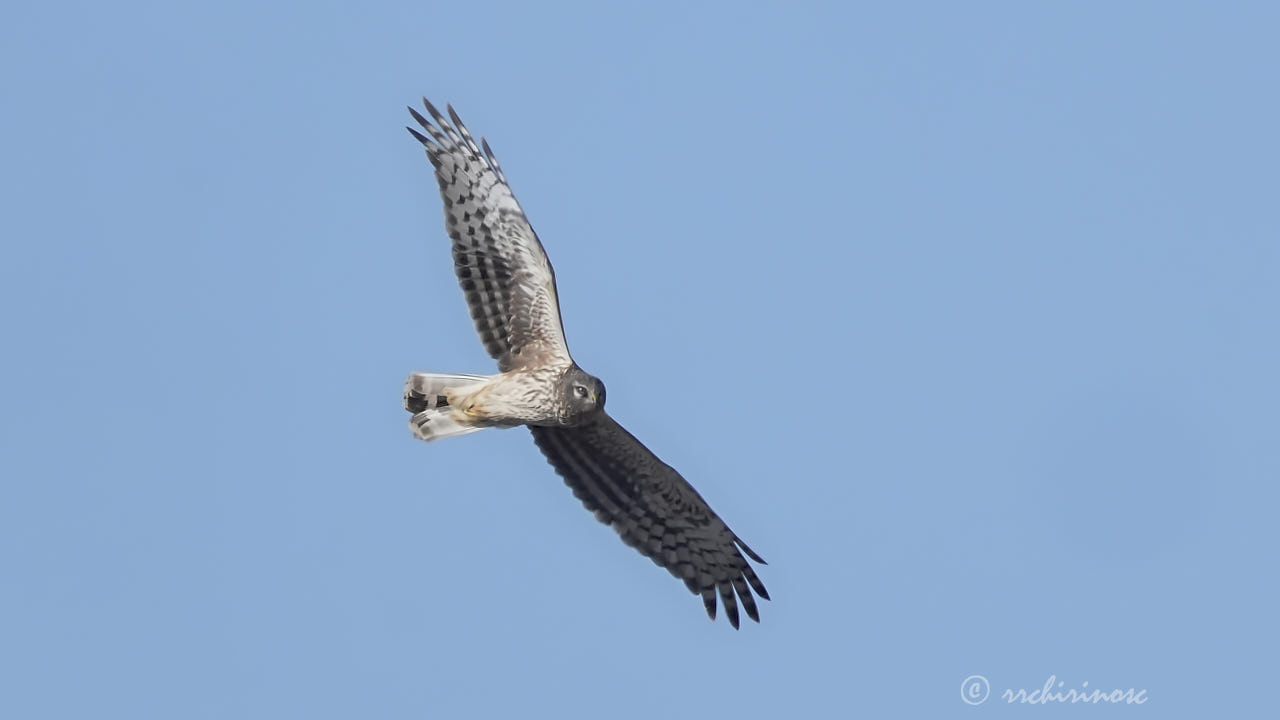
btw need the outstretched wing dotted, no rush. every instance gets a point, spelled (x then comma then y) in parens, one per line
(505, 273)
(655, 511)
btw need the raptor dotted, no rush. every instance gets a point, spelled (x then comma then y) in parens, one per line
(510, 288)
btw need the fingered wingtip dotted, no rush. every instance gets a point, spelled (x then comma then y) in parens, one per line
(420, 137)
(453, 115)
(432, 109)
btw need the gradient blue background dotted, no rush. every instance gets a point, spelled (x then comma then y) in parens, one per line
(963, 315)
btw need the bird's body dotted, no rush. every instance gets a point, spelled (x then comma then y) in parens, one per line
(519, 397)
(524, 396)
(511, 291)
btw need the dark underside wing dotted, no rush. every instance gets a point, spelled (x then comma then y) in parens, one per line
(655, 511)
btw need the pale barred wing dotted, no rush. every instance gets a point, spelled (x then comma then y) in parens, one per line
(504, 272)
(655, 511)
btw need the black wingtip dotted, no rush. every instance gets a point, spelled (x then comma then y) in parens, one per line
(432, 110)
(744, 598)
(730, 605)
(418, 116)
(709, 602)
(747, 549)
(421, 138)
(754, 581)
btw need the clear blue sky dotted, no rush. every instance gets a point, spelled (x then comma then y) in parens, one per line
(964, 315)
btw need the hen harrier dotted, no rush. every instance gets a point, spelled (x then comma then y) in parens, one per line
(511, 290)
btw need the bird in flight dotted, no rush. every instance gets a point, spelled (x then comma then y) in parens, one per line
(510, 288)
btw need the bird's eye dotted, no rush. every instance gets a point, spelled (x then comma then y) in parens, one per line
(580, 391)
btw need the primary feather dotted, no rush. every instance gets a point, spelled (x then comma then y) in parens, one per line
(501, 266)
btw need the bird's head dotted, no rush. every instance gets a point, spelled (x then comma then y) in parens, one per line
(585, 393)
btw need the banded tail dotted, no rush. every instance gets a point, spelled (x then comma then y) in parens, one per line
(426, 395)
